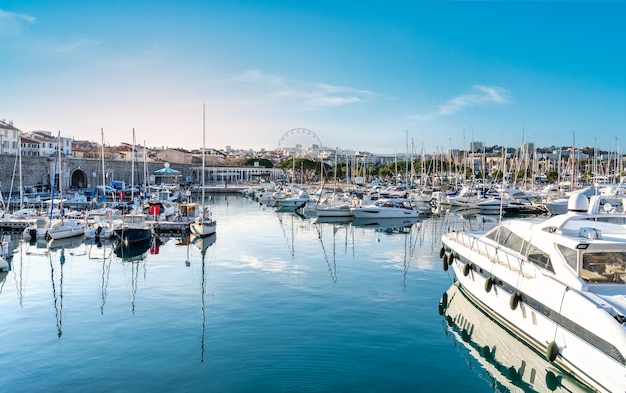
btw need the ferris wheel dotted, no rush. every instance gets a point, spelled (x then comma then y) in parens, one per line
(300, 141)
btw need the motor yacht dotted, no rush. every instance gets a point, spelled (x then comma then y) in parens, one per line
(558, 283)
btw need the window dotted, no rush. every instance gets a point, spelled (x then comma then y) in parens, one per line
(570, 255)
(604, 267)
(506, 238)
(539, 258)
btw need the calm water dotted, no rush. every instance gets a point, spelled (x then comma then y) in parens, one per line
(278, 303)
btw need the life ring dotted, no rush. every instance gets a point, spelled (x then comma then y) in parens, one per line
(552, 351)
(515, 298)
(488, 284)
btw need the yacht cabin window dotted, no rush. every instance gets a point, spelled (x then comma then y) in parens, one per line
(604, 267)
(506, 238)
(539, 258)
(570, 255)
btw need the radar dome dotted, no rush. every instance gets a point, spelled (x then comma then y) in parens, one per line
(578, 203)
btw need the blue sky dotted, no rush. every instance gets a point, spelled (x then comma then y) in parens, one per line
(359, 74)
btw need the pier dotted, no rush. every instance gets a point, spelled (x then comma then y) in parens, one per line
(159, 226)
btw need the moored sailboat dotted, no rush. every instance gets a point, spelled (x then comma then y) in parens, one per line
(204, 224)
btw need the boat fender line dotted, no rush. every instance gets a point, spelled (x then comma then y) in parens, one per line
(442, 252)
(467, 268)
(489, 284)
(445, 264)
(514, 302)
(552, 351)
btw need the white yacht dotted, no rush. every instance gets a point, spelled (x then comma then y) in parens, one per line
(386, 208)
(557, 283)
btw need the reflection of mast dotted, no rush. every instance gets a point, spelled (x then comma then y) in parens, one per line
(331, 269)
(202, 292)
(19, 283)
(134, 273)
(409, 249)
(203, 243)
(106, 270)
(58, 302)
(291, 244)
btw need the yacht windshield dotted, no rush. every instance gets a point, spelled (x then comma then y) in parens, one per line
(570, 255)
(604, 267)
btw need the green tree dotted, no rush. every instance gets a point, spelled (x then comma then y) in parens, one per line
(497, 174)
(302, 170)
(552, 176)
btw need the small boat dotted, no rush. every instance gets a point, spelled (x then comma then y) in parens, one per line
(66, 228)
(559, 283)
(294, 202)
(386, 208)
(37, 229)
(102, 225)
(133, 229)
(203, 225)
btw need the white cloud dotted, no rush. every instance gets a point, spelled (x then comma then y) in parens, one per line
(480, 95)
(257, 86)
(70, 46)
(13, 24)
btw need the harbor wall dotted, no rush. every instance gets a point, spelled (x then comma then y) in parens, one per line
(79, 173)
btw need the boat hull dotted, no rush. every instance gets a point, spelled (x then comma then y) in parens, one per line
(338, 211)
(382, 212)
(546, 314)
(66, 229)
(203, 228)
(133, 235)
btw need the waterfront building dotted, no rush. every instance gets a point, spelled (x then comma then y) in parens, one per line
(9, 138)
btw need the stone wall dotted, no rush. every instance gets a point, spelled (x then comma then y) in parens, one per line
(76, 173)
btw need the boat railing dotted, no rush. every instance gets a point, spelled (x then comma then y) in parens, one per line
(494, 253)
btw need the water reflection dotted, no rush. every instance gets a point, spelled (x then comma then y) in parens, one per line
(133, 252)
(202, 243)
(497, 356)
(386, 224)
(58, 295)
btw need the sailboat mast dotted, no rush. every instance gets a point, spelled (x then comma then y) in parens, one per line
(203, 148)
(145, 169)
(19, 152)
(132, 169)
(102, 155)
